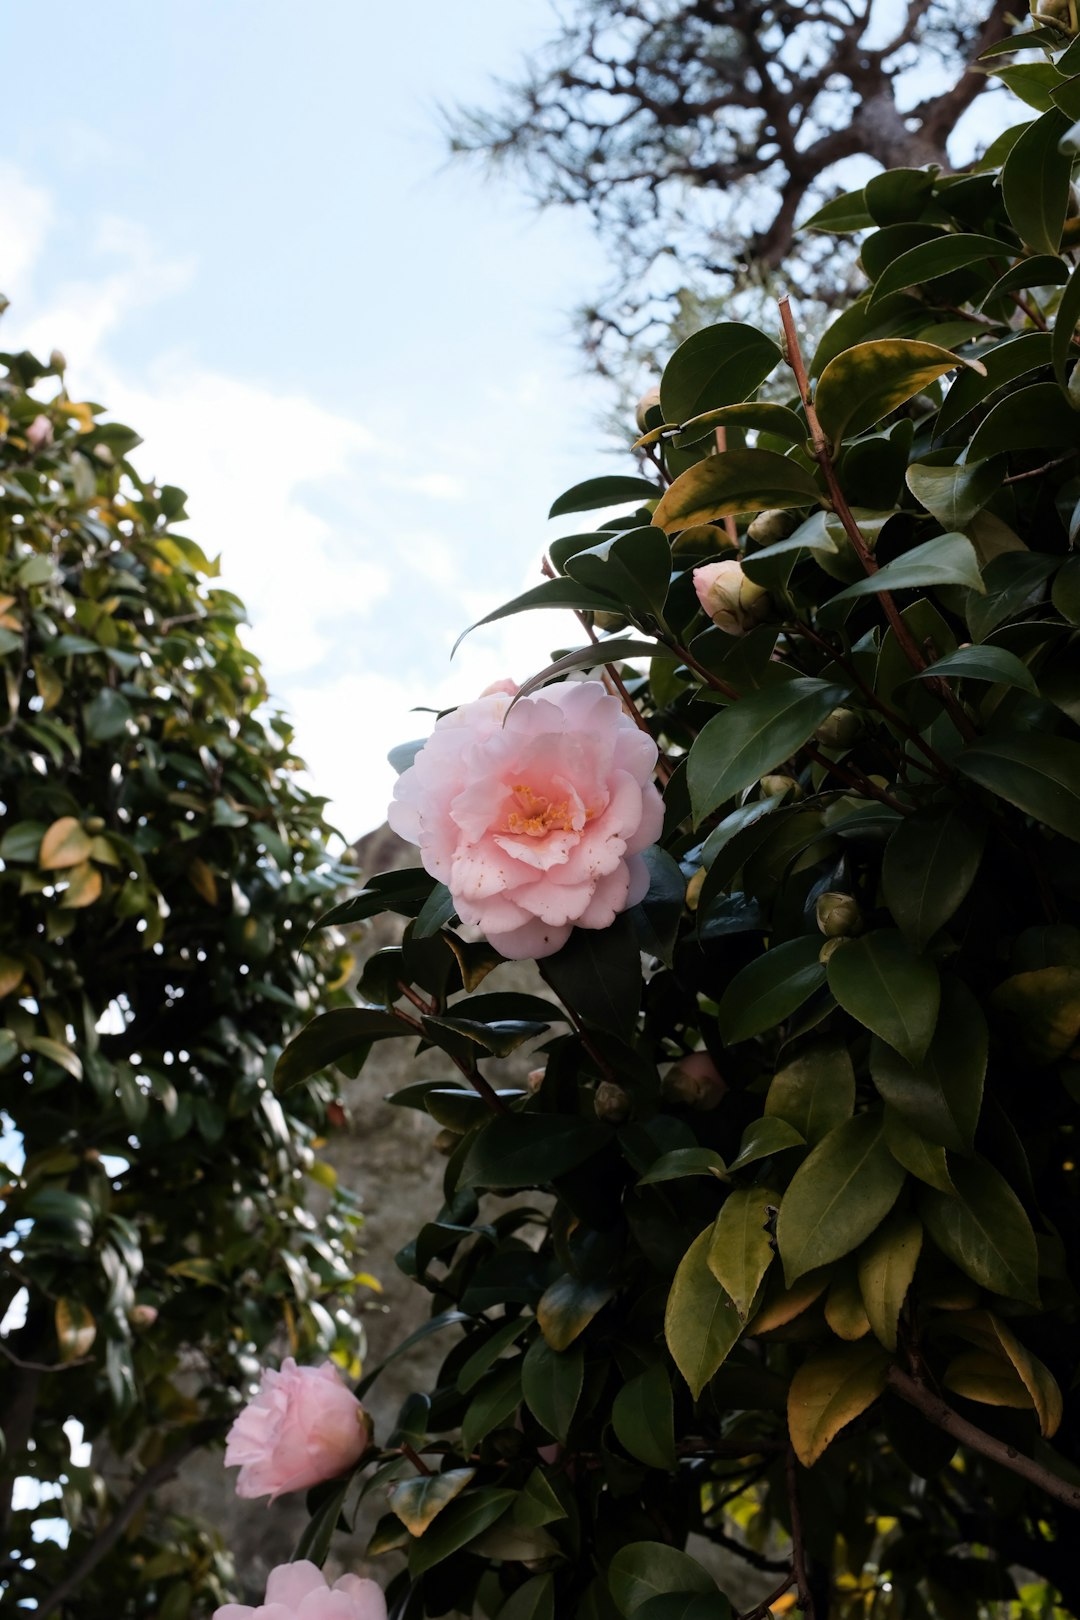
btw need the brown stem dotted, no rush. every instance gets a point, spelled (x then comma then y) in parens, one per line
(762, 1610)
(856, 780)
(471, 1073)
(651, 452)
(1037, 472)
(729, 522)
(916, 1393)
(1034, 315)
(706, 674)
(414, 1457)
(614, 682)
(823, 457)
(103, 1543)
(798, 1545)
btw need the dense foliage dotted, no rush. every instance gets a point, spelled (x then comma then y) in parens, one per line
(698, 133)
(160, 862)
(810, 1296)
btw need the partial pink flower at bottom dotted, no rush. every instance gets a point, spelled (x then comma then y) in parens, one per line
(300, 1592)
(535, 817)
(303, 1426)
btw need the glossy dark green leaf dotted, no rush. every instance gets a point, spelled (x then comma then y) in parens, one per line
(841, 215)
(534, 1600)
(764, 1137)
(460, 1522)
(837, 1197)
(1037, 417)
(936, 258)
(865, 383)
(954, 494)
(815, 1091)
(499, 1037)
(1035, 183)
(701, 1324)
(633, 565)
(994, 664)
(898, 195)
(615, 489)
(590, 657)
(1037, 773)
(889, 988)
(404, 891)
(948, 559)
(437, 910)
(941, 1097)
(642, 1416)
(926, 1160)
(770, 988)
(650, 1569)
(551, 1382)
(527, 1150)
(598, 974)
(553, 593)
(985, 1230)
(721, 365)
(494, 1404)
(330, 1036)
(754, 736)
(1003, 364)
(929, 866)
(753, 413)
(1065, 322)
(682, 1162)
(569, 1304)
(1015, 582)
(317, 1535)
(736, 481)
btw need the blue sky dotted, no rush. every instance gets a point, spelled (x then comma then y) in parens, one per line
(238, 222)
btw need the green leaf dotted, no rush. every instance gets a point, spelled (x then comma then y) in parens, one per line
(615, 489)
(1038, 774)
(527, 1150)
(753, 413)
(330, 1036)
(770, 988)
(489, 1352)
(590, 657)
(815, 1091)
(1035, 183)
(57, 1053)
(416, 1502)
(753, 736)
(1065, 322)
(598, 974)
(984, 1230)
(865, 383)
(568, 1305)
(316, 1536)
(837, 1196)
(929, 866)
(1037, 417)
(682, 1162)
(1002, 365)
(898, 196)
(494, 1405)
(404, 890)
(889, 988)
(721, 365)
(648, 1569)
(535, 1600)
(741, 1251)
(948, 559)
(551, 1382)
(936, 258)
(925, 1160)
(22, 841)
(107, 715)
(735, 481)
(954, 494)
(461, 1522)
(633, 565)
(841, 215)
(499, 1037)
(995, 664)
(830, 1390)
(762, 1138)
(940, 1097)
(643, 1417)
(437, 910)
(887, 1263)
(701, 1324)
(553, 593)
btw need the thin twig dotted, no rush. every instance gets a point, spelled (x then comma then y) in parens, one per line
(856, 779)
(43, 1366)
(1037, 472)
(414, 1457)
(917, 1394)
(730, 528)
(471, 1073)
(823, 457)
(764, 1608)
(798, 1546)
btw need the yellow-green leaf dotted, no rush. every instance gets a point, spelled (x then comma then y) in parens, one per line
(994, 1338)
(417, 1501)
(11, 974)
(782, 1305)
(701, 1323)
(830, 1390)
(76, 1329)
(203, 880)
(980, 1375)
(66, 843)
(864, 383)
(1042, 1011)
(741, 1248)
(734, 481)
(82, 889)
(886, 1266)
(844, 1308)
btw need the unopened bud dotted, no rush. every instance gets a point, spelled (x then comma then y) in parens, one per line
(773, 785)
(609, 621)
(94, 825)
(39, 433)
(840, 729)
(103, 454)
(770, 526)
(693, 889)
(534, 1080)
(445, 1142)
(611, 1103)
(694, 1081)
(827, 949)
(649, 400)
(838, 915)
(58, 362)
(730, 598)
(143, 1316)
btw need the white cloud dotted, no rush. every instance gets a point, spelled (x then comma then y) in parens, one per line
(25, 216)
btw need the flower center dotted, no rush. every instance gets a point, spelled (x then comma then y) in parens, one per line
(534, 815)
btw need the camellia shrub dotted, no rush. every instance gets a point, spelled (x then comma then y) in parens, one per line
(160, 862)
(776, 1248)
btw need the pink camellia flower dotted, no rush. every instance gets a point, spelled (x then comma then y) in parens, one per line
(39, 433)
(303, 1426)
(300, 1592)
(534, 816)
(730, 599)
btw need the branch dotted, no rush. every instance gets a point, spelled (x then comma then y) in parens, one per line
(104, 1542)
(916, 1393)
(798, 1545)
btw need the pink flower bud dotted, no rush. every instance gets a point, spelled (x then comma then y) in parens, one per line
(143, 1316)
(731, 599)
(300, 1591)
(694, 1081)
(39, 433)
(304, 1425)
